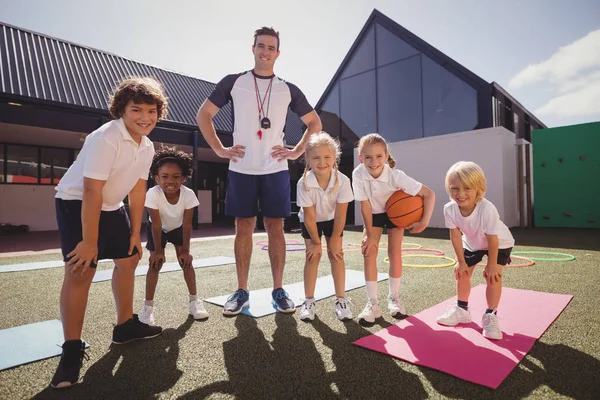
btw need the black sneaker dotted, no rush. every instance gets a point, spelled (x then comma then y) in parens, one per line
(71, 359)
(282, 301)
(236, 302)
(134, 329)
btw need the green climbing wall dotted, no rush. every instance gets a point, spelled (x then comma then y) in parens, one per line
(566, 176)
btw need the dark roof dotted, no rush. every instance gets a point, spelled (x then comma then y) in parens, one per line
(483, 88)
(50, 70)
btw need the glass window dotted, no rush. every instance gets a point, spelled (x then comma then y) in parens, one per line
(449, 104)
(330, 112)
(357, 96)
(1, 163)
(391, 48)
(22, 164)
(399, 100)
(364, 56)
(55, 163)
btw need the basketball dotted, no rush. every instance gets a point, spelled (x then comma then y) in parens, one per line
(403, 209)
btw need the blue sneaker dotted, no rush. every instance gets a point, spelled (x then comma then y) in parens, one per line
(282, 301)
(236, 302)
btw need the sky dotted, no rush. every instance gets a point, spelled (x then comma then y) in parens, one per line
(546, 53)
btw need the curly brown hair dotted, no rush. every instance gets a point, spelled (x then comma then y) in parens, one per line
(166, 155)
(142, 90)
(265, 30)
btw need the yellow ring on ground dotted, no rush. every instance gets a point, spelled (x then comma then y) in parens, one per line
(449, 264)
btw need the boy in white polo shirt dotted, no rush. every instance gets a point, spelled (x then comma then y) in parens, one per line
(171, 207)
(93, 223)
(475, 230)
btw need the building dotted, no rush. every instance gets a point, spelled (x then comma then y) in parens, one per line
(53, 93)
(396, 84)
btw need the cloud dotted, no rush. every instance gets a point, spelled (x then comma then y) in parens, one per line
(571, 77)
(582, 102)
(568, 62)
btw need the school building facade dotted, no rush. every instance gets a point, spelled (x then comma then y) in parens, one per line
(430, 108)
(433, 112)
(53, 93)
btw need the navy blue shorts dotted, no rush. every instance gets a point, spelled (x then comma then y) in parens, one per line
(247, 194)
(175, 236)
(324, 228)
(383, 221)
(113, 233)
(473, 257)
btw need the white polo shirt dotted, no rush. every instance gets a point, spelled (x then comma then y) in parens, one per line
(378, 190)
(171, 215)
(484, 220)
(109, 154)
(326, 200)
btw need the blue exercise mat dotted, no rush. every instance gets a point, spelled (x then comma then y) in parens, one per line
(106, 274)
(36, 265)
(261, 300)
(29, 343)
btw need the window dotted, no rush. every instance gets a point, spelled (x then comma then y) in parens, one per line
(55, 163)
(22, 164)
(2, 147)
(358, 98)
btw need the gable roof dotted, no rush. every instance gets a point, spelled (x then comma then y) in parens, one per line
(376, 17)
(42, 69)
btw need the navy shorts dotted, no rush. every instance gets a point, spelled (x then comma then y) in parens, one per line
(383, 221)
(324, 228)
(114, 230)
(473, 257)
(175, 236)
(247, 194)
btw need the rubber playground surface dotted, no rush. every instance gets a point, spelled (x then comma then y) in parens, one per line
(279, 356)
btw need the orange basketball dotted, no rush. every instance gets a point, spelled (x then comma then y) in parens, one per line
(404, 209)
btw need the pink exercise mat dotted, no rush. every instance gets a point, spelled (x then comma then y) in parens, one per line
(462, 351)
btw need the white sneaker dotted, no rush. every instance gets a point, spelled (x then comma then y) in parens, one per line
(454, 315)
(197, 310)
(342, 308)
(307, 312)
(396, 306)
(370, 313)
(491, 329)
(146, 315)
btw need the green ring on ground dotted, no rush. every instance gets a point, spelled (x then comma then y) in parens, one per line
(567, 257)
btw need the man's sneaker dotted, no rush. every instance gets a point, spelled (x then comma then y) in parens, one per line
(282, 301)
(134, 329)
(370, 313)
(147, 315)
(396, 306)
(307, 312)
(491, 329)
(454, 315)
(197, 310)
(342, 309)
(236, 302)
(67, 372)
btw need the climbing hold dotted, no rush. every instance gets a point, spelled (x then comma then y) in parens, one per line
(568, 214)
(546, 217)
(591, 221)
(543, 164)
(560, 160)
(582, 158)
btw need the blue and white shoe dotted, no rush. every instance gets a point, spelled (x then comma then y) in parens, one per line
(236, 302)
(282, 301)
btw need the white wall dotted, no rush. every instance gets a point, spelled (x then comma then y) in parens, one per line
(31, 205)
(428, 159)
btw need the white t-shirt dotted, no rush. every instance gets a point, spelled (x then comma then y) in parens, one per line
(484, 220)
(324, 201)
(240, 90)
(171, 215)
(109, 154)
(379, 190)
